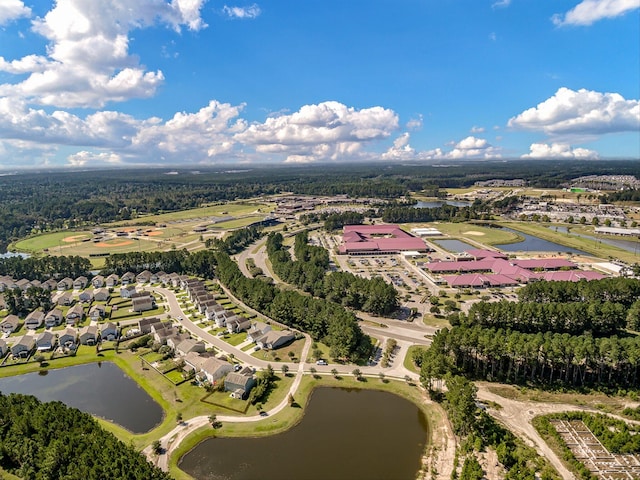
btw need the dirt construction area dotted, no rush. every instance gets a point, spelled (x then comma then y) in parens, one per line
(588, 449)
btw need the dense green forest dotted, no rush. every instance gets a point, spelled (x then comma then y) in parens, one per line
(309, 273)
(50, 441)
(32, 202)
(199, 263)
(325, 321)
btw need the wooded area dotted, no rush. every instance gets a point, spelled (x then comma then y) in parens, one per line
(50, 441)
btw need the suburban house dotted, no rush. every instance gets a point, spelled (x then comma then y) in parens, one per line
(239, 384)
(190, 345)
(97, 281)
(202, 306)
(111, 281)
(236, 324)
(89, 335)
(127, 278)
(10, 324)
(23, 284)
(67, 338)
(143, 277)
(45, 341)
(64, 299)
(209, 368)
(155, 277)
(3, 348)
(80, 283)
(275, 339)
(143, 301)
(75, 315)
(146, 325)
(23, 346)
(34, 320)
(257, 330)
(65, 284)
(86, 296)
(127, 291)
(175, 338)
(109, 332)
(53, 318)
(218, 313)
(50, 284)
(101, 295)
(6, 283)
(96, 312)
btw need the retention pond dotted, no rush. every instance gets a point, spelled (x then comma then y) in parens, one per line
(101, 389)
(344, 434)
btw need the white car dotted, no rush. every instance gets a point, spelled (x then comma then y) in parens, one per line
(322, 362)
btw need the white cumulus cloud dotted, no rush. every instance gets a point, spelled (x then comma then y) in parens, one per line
(252, 11)
(582, 112)
(327, 131)
(559, 150)
(11, 10)
(469, 147)
(88, 63)
(588, 12)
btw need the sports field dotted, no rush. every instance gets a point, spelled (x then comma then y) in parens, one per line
(51, 241)
(479, 233)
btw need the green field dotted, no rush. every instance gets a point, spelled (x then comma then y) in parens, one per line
(238, 222)
(479, 233)
(50, 241)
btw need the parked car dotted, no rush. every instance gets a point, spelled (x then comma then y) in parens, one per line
(322, 362)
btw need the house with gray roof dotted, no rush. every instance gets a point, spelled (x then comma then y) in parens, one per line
(275, 339)
(111, 281)
(190, 345)
(239, 384)
(34, 320)
(80, 282)
(89, 335)
(53, 318)
(68, 338)
(46, 341)
(109, 331)
(65, 284)
(10, 324)
(101, 295)
(97, 281)
(23, 346)
(97, 312)
(75, 314)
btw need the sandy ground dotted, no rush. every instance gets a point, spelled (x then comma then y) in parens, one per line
(114, 244)
(73, 238)
(474, 233)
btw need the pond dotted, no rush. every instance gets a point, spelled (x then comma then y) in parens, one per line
(14, 254)
(532, 243)
(632, 246)
(344, 434)
(101, 389)
(452, 245)
(439, 203)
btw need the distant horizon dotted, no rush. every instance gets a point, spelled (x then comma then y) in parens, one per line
(176, 83)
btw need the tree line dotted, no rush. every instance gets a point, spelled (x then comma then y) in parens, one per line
(22, 303)
(325, 321)
(336, 220)
(51, 441)
(43, 268)
(309, 273)
(450, 213)
(544, 359)
(615, 289)
(183, 262)
(530, 317)
(236, 241)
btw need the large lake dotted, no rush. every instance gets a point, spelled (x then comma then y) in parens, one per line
(628, 245)
(101, 389)
(344, 434)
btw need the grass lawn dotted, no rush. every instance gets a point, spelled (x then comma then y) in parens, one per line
(408, 358)
(319, 346)
(479, 233)
(235, 338)
(432, 321)
(238, 222)
(174, 376)
(282, 354)
(50, 240)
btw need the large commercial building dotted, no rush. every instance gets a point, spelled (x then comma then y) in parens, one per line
(379, 239)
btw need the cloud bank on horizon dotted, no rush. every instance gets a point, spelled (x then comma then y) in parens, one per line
(87, 84)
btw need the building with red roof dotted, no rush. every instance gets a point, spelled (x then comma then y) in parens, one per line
(379, 239)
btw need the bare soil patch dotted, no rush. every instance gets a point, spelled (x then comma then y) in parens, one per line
(473, 233)
(114, 243)
(74, 238)
(155, 233)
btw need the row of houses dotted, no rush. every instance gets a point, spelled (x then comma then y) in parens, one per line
(260, 333)
(68, 338)
(67, 283)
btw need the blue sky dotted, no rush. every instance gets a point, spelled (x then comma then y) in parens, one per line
(197, 82)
